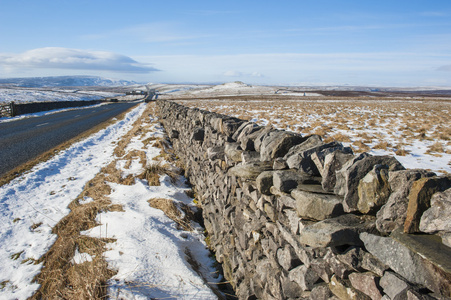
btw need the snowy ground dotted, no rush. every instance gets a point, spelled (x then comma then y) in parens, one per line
(25, 95)
(416, 131)
(149, 252)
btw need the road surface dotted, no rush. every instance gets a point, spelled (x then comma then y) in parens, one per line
(25, 139)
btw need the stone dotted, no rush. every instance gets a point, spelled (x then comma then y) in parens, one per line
(287, 258)
(342, 230)
(302, 160)
(249, 156)
(321, 292)
(214, 153)
(446, 239)
(277, 143)
(280, 164)
(394, 286)
(332, 163)
(367, 283)
(319, 158)
(198, 134)
(309, 142)
(305, 277)
(249, 171)
(393, 214)
(317, 206)
(373, 190)
(421, 259)
(344, 291)
(174, 134)
(438, 216)
(233, 151)
(420, 199)
(229, 126)
(264, 182)
(414, 295)
(352, 258)
(258, 136)
(371, 263)
(290, 289)
(287, 180)
(354, 170)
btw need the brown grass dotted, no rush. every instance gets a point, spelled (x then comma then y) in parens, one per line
(153, 172)
(179, 212)
(60, 278)
(361, 147)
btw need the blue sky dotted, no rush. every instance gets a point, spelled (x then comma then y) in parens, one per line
(322, 42)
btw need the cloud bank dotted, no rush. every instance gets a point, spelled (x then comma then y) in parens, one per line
(74, 59)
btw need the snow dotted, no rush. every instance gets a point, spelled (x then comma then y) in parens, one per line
(25, 95)
(150, 252)
(40, 197)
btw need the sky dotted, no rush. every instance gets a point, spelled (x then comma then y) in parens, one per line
(322, 42)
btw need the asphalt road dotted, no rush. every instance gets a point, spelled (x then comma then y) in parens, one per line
(25, 139)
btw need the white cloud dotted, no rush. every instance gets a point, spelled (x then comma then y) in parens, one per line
(74, 59)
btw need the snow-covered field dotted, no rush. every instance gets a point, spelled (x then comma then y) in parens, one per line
(25, 95)
(416, 131)
(148, 250)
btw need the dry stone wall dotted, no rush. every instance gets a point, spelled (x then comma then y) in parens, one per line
(292, 217)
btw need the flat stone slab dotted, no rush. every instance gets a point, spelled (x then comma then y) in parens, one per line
(251, 170)
(317, 206)
(420, 259)
(342, 230)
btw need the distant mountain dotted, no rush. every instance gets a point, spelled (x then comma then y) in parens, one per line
(53, 81)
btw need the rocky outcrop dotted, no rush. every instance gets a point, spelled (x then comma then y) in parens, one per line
(292, 217)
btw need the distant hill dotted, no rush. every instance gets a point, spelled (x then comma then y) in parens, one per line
(53, 81)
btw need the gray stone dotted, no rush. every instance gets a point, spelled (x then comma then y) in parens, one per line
(393, 214)
(438, 216)
(354, 170)
(367, 283)
(302, 160)
(305, 277)
(249, 156)
(317, 206)
(214, 153)
(371, 263)
(309, 142)
(344, 291)
(244, 138)
(319, 158)
(352, 258)
(287, 180)
(233, 151)
(280, 164)
(277, 143)
(258, 136)
(287, 258)
(332, 163)
(394, 286)
(264, 182)
(420, 199)
(342, 230)
(198, 134)
(321, 292)
(249, 171)
(174, 134)
(373, 189)
(420, 259)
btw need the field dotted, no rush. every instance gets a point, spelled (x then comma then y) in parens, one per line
(414, 129)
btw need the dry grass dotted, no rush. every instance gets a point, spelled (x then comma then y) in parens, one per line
(179, 212)
(60, 278)
(153, 172)
(360, 147)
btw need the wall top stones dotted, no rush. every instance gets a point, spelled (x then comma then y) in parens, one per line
(292, 217)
